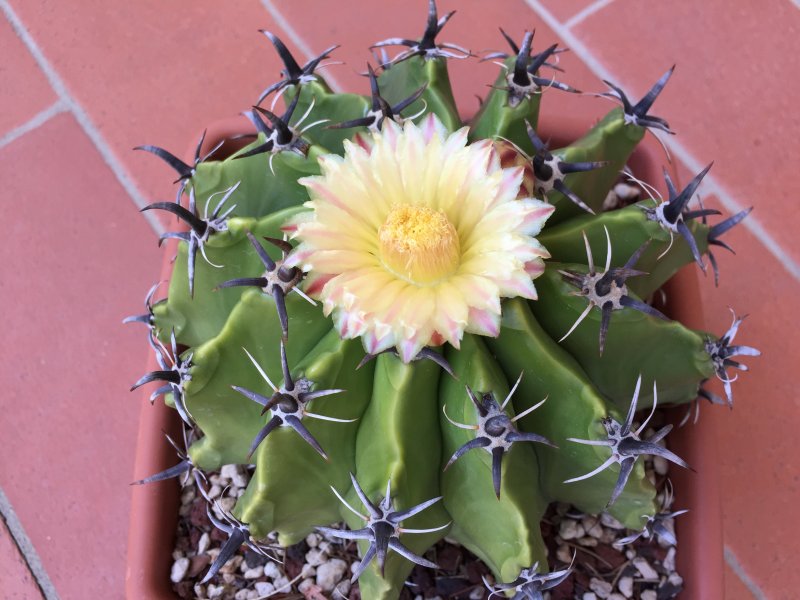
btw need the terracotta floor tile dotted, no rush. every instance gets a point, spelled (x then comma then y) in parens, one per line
(734, 588)
(473, 26)
(564, 10)
(15, 578)
(732, 98)
(77, 259)
(154, 72)
(25, 89)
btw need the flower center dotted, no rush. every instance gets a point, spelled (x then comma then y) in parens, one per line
(419, 244)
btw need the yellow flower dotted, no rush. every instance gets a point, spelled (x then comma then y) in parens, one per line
(415, 235)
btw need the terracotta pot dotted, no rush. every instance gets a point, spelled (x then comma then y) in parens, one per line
(154, 507)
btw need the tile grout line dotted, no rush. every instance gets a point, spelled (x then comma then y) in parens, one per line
(26, 549)
(733, 562)
(677, 149)
(80, 115)
(34, 122)
(298, 41)
(586, 12)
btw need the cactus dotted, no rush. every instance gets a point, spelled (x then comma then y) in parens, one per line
(387, 309)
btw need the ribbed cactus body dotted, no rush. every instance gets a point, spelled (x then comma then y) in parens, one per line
(406, 424)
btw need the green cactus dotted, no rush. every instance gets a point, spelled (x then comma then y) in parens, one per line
(398, 370)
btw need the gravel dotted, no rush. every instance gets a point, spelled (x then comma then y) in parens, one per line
(319, 568)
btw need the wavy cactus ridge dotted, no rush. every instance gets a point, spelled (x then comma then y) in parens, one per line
(198, 319)
(615, 371)
(422, 437)
(574, 409)
(290, 489)
(504, 532)
(228, 420)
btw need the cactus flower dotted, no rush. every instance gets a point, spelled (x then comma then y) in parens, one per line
(413, 238)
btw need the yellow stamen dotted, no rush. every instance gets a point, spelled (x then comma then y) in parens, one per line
(419, 244)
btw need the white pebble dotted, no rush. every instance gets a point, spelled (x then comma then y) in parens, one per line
(669, 560)
(315, 557)
(329, 573)
(343, 588)
(625, 585)
(588, 542)
(227, 472)
(570, 530)
(589, 596)
(660, 465)
(214, 491)
(476, 594)
(602, 588)
(649, 595)
(313, 540)
(227, 503)
(264, 587)
(241, 595)
(281, 583)
(215, 591)
(179, 569)
(254, 573)
(305, 586)
(325, 546)
(608, 521)
(675, 579)
(308, 571)
(563, 553)
(616, 596)
(625, 191)
(203, 543)
(272, 571)
(645, 569)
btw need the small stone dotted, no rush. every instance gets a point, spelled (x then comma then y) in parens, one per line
(602, 588)
(660, 465)
(313, 540)
(570, 530)
(227, 503)
(645, 569)
(649, 595)
(589, 596)
(241, 595)
(199, 591)
(203, 543)
(477, 594)
(343, 588)
(330, 573)
(215, 591)
(308, 571)
(179, 569)
(325, 546)
(198, 563)
(272, 571)
(264, 587)
(232, 565)
(669, 560)
(228, 578)
(675, 579)
(593, 528)
(315, 557)
(588, 542)
(214, 491)
(630, 554)
(563, 553)
(608, 521)
(227, 472)
(625, 191)
(625, 585)
(281, 583)
(305, 587)
(254, 573)
(616, 596)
